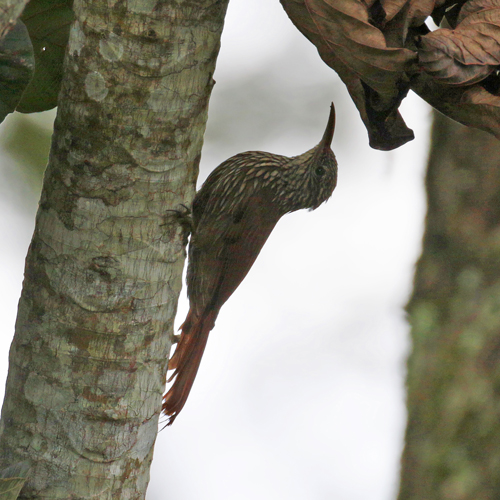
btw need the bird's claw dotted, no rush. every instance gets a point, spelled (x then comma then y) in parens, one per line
(181, 216)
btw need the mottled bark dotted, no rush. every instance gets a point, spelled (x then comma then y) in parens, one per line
(453, 437)
(103, 272)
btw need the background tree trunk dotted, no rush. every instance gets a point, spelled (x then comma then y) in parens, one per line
(453, 435)
(103, 272)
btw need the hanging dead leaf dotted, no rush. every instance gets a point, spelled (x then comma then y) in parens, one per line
(476, 6)
(373, 46)
(473, 106)
(469, 53)
(374, 73)
(387, 131)
(409, 12)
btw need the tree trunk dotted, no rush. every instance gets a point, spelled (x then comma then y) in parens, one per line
(103, 272)
(453, 435)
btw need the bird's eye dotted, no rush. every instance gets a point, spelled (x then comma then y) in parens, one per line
(320, 171)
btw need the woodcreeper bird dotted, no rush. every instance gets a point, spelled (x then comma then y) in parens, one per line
(233, 214)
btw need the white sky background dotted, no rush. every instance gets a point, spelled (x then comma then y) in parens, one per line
(300, 394)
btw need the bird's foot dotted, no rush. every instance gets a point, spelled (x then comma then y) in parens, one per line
(174, 339)
(181, 216)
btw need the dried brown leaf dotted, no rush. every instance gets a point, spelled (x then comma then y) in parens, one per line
(473, 106)
(373, 72)
(469, 53)
(385, 132)
(475, 6)
(415, 12)
(344, 28)
(393, 7)
(371, 45)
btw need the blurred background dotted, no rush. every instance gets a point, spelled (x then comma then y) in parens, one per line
(300, 394)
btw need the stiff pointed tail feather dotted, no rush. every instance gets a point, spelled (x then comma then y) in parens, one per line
(185, 362)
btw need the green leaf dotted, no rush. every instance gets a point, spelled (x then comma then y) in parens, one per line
(17, 65)
(48, 23)
(12, 479)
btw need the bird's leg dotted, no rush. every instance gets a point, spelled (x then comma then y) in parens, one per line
(174, 339)
(182, 216)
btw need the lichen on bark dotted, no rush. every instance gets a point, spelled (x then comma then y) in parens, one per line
(103, 272)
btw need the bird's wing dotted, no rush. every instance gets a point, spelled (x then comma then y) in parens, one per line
(224, 248)
(233, 181)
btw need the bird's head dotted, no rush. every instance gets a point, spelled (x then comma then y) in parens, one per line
(314, 173)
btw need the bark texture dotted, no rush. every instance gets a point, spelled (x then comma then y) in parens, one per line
(103, 272)
(453, 436)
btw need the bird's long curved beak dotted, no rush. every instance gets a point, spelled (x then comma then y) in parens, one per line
(326, 141)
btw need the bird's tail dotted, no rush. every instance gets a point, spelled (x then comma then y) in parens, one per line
(185, 361)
